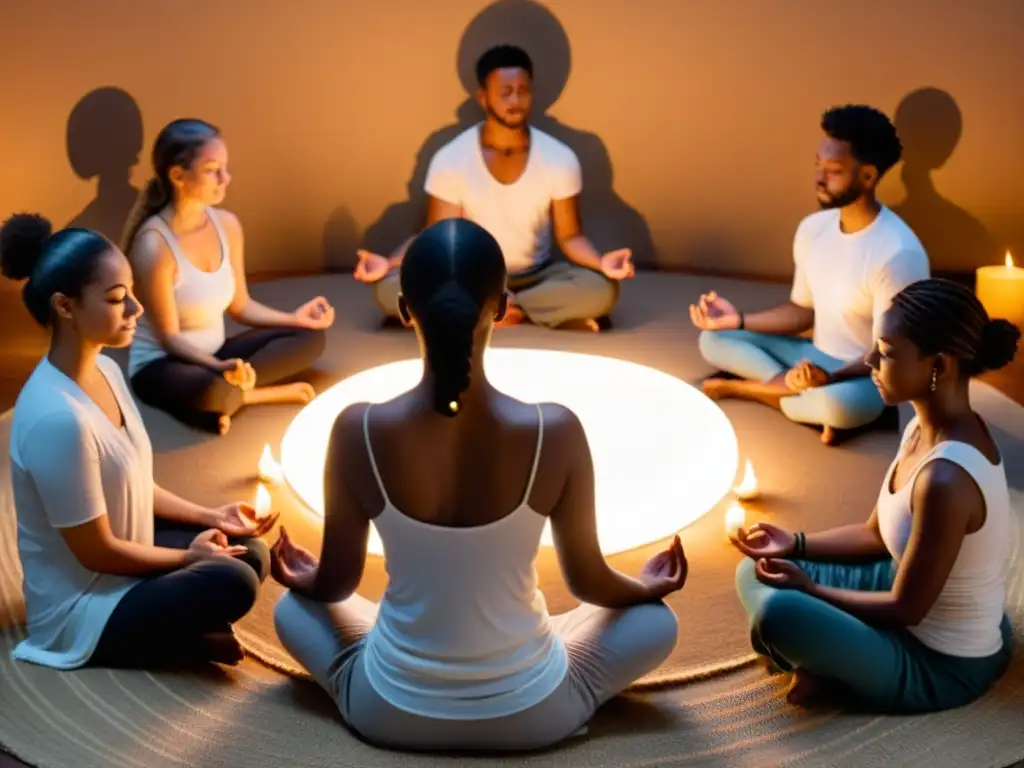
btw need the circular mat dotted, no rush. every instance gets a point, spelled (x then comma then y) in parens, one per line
(253, 716)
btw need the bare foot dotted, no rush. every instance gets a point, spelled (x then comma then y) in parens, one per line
(222, 648)
(803, 688)
(223, 425)
(513, 316)
(829, 436)
(299, 392)
(717, 389)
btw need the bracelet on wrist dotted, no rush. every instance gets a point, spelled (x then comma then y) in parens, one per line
(742, 322)
(799, 545)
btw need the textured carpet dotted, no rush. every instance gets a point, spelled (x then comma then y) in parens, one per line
(253, 716)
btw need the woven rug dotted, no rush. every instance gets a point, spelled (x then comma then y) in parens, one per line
(730, 712)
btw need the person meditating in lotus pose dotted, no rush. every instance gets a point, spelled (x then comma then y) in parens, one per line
(106, 584)
(851, 259)
(919, 626)
(459, 480)
(517, 182)
(188, 257)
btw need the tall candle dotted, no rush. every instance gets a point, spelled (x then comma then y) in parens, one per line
(1001, 290)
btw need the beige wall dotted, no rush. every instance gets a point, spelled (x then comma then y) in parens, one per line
(707, 111)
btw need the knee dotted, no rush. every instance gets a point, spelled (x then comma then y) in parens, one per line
(659, 629)
(745, 576)
(312, 342)
(286, 614)
(257, 557)
(385, 293)
(710, 343)
(233, 585)
(604, 293)
(778, 617)
(850, 409)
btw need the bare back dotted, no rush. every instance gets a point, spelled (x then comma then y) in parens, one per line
(463, 472)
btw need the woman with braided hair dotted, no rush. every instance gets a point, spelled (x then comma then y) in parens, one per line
(459, 480)
(903, 613)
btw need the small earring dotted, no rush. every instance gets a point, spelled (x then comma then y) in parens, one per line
(935, 378)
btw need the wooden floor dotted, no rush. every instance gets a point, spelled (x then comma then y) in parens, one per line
(23, 343)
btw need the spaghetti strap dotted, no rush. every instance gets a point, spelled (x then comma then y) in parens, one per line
(369, 453)
(536, 457)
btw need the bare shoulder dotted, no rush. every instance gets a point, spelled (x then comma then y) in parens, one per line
(150, 251)
(563, 430)
(229, 220)
(944, 491)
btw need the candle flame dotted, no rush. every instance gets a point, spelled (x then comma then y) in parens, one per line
(735, 519)
(262, 505)
(1009, 260)
(269, 469)
(747, 489)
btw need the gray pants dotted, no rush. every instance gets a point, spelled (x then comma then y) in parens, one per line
(607, 651)
(553, 294)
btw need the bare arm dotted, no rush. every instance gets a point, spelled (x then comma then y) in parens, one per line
(243, 308)
(848, 541)
(96, 547)
(944, 500)
(574, 529)
(437, 210)
(155, 269)
(346, 528)
(170, 506)
(787, 319)
(565, 219)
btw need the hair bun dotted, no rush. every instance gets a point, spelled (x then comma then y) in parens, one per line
(22, 241)
(999, 344)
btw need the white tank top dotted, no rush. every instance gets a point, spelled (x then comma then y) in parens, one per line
(201, 298)
(965, 618)
(463, 631)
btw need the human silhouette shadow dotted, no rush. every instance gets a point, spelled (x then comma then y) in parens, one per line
(104, 140)
(608, 220)
(930, 124)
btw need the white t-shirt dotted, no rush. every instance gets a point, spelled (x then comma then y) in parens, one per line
(71, 465)
(850, 279)
(518, 215)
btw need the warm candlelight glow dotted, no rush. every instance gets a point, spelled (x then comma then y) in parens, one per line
(1009, 260)
(1000, 288)
(735, 519)
(270, 470)
(262, 502)
(747, 489)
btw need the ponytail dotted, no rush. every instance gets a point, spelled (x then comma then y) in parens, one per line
(153, 199)
(448, 323)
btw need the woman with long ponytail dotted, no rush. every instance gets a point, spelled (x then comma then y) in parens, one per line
(460, 480)
(189, 266)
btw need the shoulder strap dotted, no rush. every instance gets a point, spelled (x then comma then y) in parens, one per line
(536, 456)
(369, 453)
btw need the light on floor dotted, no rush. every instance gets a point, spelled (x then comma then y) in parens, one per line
(664, 454)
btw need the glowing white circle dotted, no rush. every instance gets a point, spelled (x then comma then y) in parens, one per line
(664, 453)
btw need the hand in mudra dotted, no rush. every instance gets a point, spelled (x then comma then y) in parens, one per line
(713, 313)
(371, 267)
(292, 566)
(240, 520)
(618, 265)
(211, 543)
(765, 540)
(316, 315)
(666, 572)
(239, 373)
(783, 574)
(806, 375)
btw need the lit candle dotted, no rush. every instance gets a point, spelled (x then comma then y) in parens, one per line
(735, 518)
(270, 470)
(262, 505)
(1001, 291)
(747, 489)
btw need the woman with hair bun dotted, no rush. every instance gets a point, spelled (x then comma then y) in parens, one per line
(187, 255)
(903, 613)
(459, 480)
(117, 570)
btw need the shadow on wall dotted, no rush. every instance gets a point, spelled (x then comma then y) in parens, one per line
(104, 139)
(608, 220)
(930, 125)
